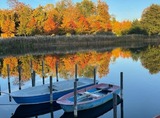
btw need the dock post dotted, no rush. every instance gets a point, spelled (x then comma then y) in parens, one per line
(51, 96)
(19, 71)
(75, 93)
(114, 105)
(43, 71)
(94, 75)
(33, 78)
(121, 85)
(121, 109)
(57, 71)
(8, 73)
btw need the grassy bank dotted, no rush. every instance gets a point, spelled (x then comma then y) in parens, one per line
(63, 44)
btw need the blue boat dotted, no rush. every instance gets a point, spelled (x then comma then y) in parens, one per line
(41, 94)
(88, 97)
(94, 112)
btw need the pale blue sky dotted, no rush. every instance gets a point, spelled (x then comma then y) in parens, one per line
(121, 9)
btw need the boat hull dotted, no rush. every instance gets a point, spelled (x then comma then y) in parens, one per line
(22, 97)
(42, 98)
(69, 107)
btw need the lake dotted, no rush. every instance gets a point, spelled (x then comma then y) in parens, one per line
(141, 73)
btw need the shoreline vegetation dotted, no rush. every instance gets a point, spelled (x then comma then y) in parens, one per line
(70, 44)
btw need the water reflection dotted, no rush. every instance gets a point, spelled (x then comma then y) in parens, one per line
(25, 111)
(87, 61)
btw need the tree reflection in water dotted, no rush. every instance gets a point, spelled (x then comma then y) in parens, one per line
(86, 61)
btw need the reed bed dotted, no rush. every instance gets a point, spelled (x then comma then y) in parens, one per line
(70, 44)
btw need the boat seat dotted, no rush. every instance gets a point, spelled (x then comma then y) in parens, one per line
(104, 88)
(91, 94)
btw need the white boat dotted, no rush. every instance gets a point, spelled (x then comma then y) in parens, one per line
(41, 94)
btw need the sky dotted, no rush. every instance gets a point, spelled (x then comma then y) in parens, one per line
(120, 9)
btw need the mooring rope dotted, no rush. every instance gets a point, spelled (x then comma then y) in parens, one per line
(5, 93)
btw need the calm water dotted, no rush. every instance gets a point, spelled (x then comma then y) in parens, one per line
(141, 69)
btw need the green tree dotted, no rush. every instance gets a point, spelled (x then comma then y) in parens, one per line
(40, 17)
(150, 59)
(151, 19)
(137, 28)
(86, 7)
(24, 18)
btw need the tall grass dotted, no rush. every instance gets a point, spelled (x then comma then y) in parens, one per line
(63, 44)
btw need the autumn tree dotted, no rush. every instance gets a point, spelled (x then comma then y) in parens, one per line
(83, 25)
(49, 26)
(70, 16)
(103, 14)
(7, 22)
(31, 26)
(8, 27)
(121, 28)
(150, 19)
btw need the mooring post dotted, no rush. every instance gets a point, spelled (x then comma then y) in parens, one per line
(51, 96)
(121, 109)
(19, 71)
(121, 85)
(8, 73)
(43, 71)
(57, 71)
(114, 105)
(51, 111)
(75, 93)
(33, 78)
(94, 75)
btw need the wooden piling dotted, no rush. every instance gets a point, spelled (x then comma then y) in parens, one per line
(51, 111)
(33, 78)
(121, 85)
(51, 96)
(121, 109)
(94, 75)
(114, 105)
(19, 71)
(57, 71)
(75, 93)
(43, 71)
(75, 99)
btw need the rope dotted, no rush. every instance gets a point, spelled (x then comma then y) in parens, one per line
(5, 93)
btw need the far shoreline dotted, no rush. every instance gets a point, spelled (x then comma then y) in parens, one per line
(66, 44)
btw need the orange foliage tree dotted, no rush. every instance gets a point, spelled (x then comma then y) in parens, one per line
(120, 28)
(8, 27)
(49, 26)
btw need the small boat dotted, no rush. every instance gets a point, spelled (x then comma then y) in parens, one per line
(94, 112)
(88, 97)
(41, 94)
(158, 116)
